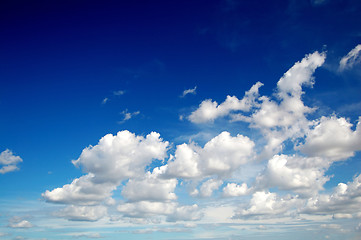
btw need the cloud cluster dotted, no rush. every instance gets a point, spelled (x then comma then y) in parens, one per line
(9, 161)
(290, 183)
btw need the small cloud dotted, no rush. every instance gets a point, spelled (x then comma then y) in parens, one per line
(128, 115)
(189, 91)
(8, 161)
(352, 58)
(17, 222)
(105, 100)
(118, 93)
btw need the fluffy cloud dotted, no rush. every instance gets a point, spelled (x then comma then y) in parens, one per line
(352, 58)
(235, 190)
(266, 204)
(221, 155)
(345, 199)
(8, 161)
(304, 176)
(207, 188)
(332, 138)
(82, 213)
(150, 188)
(112, 160)
(210, 110)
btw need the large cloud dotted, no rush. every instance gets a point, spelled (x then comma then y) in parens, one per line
(220, 156)
(344, 201)
(304, 176)
(112, 160)
(82, 213)
(8, 161)
(266, 204)
(332, 138)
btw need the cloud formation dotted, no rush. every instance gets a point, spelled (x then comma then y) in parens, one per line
(352, 58)
(9, 161)
(189, 91)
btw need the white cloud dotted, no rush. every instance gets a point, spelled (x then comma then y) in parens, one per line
(207, 188)
(266, 204)
(352, 58)
(345, 199)
(150, 188)
(112, 160)
(235, 190)
(209, 111)
(171, 210)
(220, 156)
(85, 235)
(128, 115)
(17, 222)
(189, 91)
(8, 161)
(304, 176)
(82, 213)
(332, 138)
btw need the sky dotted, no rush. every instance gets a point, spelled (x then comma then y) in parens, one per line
(206, 120)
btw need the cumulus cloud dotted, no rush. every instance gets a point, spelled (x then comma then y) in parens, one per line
(235, 190)
(210, 110)
(208, 187)
(9, 161)
(344, 201)
(221, 155)
(112, 160)
(352, 58)
(332, 138)
(82, 213)
(151, 188)
(304, 176)
(266, 204)
(189, 91)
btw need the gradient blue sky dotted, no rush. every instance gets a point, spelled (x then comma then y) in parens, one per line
(281, 161)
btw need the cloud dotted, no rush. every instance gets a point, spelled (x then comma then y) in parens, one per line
(332, 138)
(112, 160)
(128, 115)
(210, 110)
(207, 188)
(266, 204)
(17, 222)
(150, 188)
(235, 190)
(220, 156)
(8, 161)
(189, 91)
(105, 100)
(345, 199)
(352, 58)
(118, 93)
(82, 213)
(171, 210)
(304, 176)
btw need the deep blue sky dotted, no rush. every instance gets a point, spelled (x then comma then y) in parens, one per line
(61, 63)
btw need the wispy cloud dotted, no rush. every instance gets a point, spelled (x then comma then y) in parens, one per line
(128, 115)
(189, 91)
(352, 58)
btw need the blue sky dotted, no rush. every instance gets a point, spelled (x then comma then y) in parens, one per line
(180, 119)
